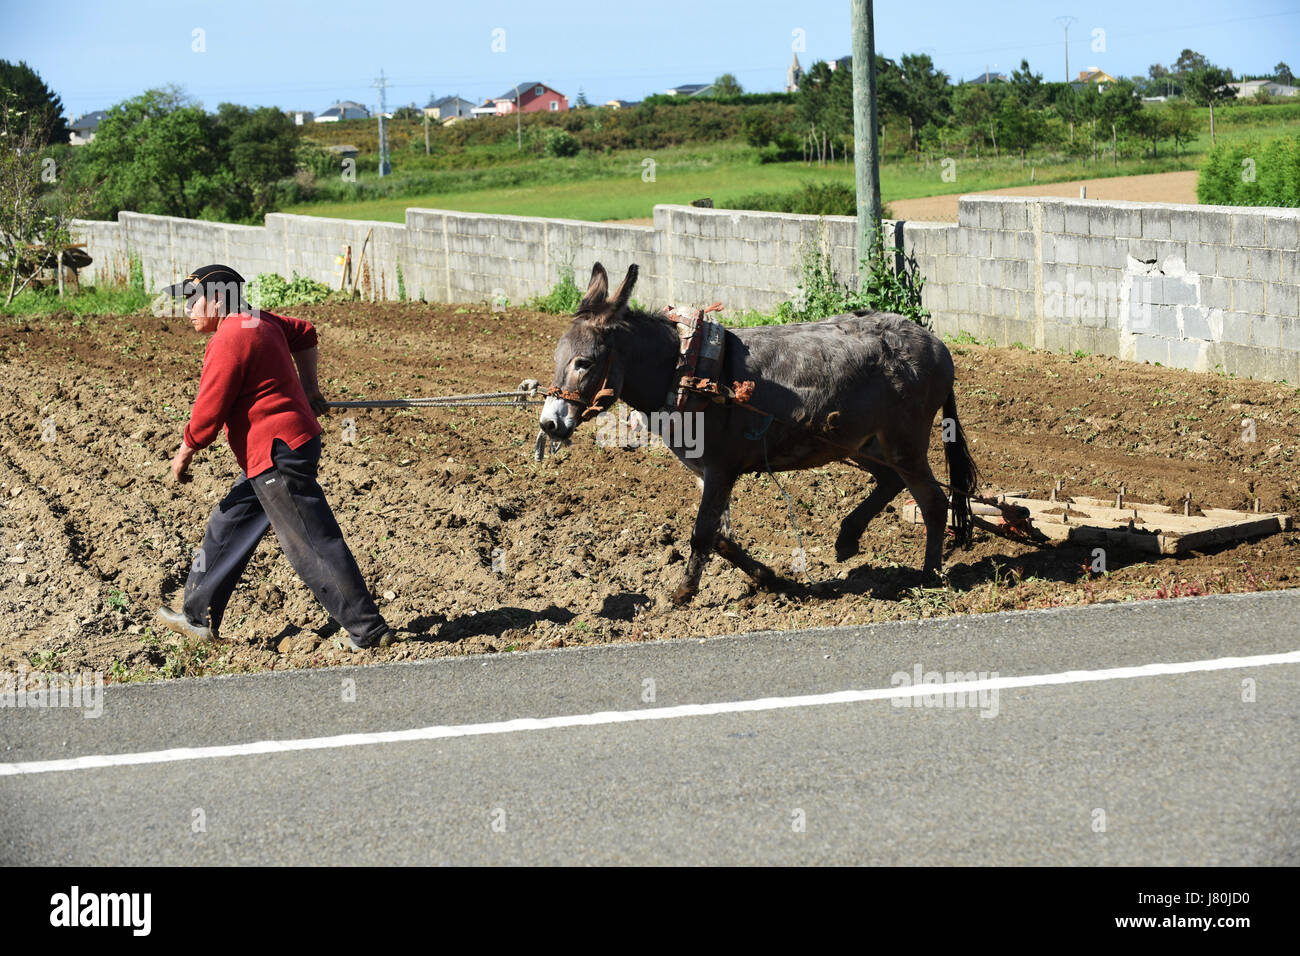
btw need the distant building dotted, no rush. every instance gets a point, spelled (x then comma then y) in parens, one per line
(621, 104)
(844, 61)
(1250, 88)
(1094, 75)
(985, 78)
(83, 130)
(449, 107)
(793, 76)
(301, 117)
(345, 110)
(691, 89)
(533, 98)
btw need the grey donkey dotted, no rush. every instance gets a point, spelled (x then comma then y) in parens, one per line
(863, 387)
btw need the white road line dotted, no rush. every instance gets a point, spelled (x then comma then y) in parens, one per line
(96, 761)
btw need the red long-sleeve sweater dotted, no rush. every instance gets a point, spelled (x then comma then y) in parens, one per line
(250, 385)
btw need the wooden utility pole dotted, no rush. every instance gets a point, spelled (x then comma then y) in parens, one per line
(866, 149)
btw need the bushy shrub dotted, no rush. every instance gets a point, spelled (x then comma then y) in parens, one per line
(561, 143)
(564, 297)
(812, 199)
(270, 291)
(1252, 173)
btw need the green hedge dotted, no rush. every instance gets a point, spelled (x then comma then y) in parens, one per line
(1252, 173)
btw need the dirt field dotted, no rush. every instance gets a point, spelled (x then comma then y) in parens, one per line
(94, 534)
(1177, 187)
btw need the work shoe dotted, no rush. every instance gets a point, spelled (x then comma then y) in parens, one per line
(178, 622)
(383, 640)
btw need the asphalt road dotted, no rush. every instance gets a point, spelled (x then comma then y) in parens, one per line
(1160, 769)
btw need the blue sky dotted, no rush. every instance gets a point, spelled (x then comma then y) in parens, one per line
(299, 55)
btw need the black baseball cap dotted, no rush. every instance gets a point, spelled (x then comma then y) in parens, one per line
(212, 282)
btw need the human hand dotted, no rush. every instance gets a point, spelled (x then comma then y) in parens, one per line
(181, 463)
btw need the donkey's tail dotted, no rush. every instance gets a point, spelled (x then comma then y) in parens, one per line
(963, 477)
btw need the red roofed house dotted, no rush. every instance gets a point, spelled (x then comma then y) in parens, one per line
(533, 97)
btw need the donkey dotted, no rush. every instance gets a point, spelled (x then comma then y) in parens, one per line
(864, 387)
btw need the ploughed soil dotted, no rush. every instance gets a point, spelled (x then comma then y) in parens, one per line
(472, 547)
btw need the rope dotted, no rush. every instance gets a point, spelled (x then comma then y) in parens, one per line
(525, 394)
(449, 402)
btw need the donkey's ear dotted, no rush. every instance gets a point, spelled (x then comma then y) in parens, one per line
(596, 290)
(624, 291)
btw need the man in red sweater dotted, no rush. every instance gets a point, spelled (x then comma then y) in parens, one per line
(268, 409)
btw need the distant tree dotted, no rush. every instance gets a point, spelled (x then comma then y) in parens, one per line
(1020, 127)
(1207, 86)
(409, 112)
(726, 85)
(1282, 74)
(1180, 123)
(926, 95)
(1116, 107)
(1157, 72)
(433, 98)
(152, 153)
(254, 149)
(36, 207)
(582, 99)
(1028, 86)
(28, 94)
(1149, 124)
(1189, 61)
(973, 110)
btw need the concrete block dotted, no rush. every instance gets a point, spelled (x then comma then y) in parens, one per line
(1076, 220)
(1283, 233)
(1187, 354)
(1265, 331)
(1065, 250)
(1248, 229)
(1151, 348)
(1231, 262)
(990, 272)
(1236, 327)
(1196, 324)
(1185, 225)
(1201, 258)
(1025, 246)
(1015, 214)
(1016, 275)
(1247, 296)
(1155, 222)
(1265, 264)
(1282, 299)
(1289, 333)
(1165, 321)
(1053, 217)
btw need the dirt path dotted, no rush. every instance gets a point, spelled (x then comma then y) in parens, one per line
(1177, 187)
(93, 535)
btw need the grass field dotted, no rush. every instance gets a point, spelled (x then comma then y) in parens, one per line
(612, 186)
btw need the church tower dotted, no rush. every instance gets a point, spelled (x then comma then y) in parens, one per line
(794, 75)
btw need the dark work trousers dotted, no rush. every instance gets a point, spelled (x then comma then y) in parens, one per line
(287, 498)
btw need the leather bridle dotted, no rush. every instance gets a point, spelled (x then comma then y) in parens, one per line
(598, 403)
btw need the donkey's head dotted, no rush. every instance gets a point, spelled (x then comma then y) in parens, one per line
(588, 369)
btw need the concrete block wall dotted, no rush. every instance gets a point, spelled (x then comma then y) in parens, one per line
(1208, 288)
(1199, 287)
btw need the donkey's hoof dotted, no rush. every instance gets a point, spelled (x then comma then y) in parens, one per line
(682, 594)
(845, 548)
